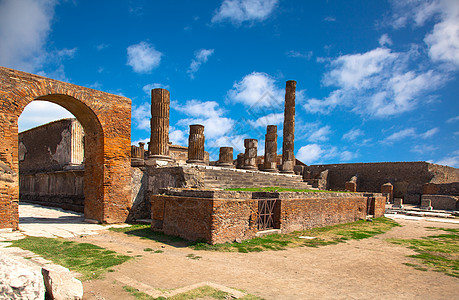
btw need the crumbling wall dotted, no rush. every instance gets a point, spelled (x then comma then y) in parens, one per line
(407, 178)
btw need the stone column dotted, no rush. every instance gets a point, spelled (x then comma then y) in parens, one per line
(196, 144)
(288, 155)
(159, 140)
(388, 190)
(240, 161)
(250, 156)
(225, 158)
(137, 155)
(270, 163)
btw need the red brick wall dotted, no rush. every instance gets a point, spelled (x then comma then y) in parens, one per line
(106, 120)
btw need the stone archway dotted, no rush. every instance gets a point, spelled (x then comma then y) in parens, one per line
(106, 120)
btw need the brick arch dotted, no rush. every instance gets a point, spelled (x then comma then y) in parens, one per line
(106, 119)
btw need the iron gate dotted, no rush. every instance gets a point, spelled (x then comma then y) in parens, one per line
(265, 218)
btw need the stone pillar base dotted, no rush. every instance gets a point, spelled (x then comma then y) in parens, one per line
(159, 160)
(196, 162)
(249, 168)
(137, 162)
(231, 166)
(270, 170)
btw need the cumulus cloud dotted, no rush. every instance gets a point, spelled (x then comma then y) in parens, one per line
(320, 135)
(409, 133)
(309, 153)
(270, 119)
(177, 136)
(200, 57)
(257, 89)
(141, 115)
(143, 57)
(24, 29)
(376, 83)
(239, 11)
(41, 112)
(451, 160)
(353, 134)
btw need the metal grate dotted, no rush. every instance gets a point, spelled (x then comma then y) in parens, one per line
(265, 218)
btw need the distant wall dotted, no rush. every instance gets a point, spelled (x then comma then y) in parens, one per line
(51, 147)
(64, 189)
(407, 178)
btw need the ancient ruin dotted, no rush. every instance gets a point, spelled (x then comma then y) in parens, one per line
(178, 187)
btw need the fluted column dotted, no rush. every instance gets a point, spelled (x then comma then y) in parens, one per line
(196, 144)
(225, 158)
(270, 161)
(250, 156)
(288, 155)
(159, 140)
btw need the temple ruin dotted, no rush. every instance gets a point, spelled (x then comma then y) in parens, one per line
(177, 187)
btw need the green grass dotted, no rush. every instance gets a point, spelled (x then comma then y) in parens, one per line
(436, 252)
(280, 189)
(198, 293)
(144, 231)
(328, 235)
(87, 259)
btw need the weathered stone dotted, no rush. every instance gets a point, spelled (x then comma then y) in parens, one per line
(60, 284)
(351, 186)
(196, 142)
(250, 156)
(159, 138)
(19, 281)
(240, 161)
(225, 158)
(388, 190)
(398, 203)
(426, 204)
(270, 161)
(288, 155)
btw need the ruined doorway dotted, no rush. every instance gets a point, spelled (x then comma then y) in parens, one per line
(106, 120)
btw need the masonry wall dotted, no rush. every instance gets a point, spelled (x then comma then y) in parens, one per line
(64, 189)
(217, 217)
(408, 178)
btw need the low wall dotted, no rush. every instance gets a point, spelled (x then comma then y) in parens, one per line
(441, 189)
(444, 202)
(221, 216)
(62, 189)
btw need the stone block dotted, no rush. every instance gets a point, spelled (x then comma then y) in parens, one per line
(398, 203)
(60, 284)
(426, 204)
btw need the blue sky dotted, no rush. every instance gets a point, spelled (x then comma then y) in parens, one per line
(376, 80)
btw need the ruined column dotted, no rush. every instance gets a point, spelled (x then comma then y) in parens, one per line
(270, 163)
(196, 144)
(225, 158)
(137, 155)
(159, 139)
(240, 161)
(288, 155)
(250, 156)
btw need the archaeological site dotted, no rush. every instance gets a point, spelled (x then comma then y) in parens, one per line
(88, 164)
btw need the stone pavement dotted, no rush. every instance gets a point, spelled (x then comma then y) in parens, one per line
(51, 222)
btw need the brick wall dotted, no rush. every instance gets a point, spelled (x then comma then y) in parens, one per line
(106, 120)
(407, 178)
(220, 216)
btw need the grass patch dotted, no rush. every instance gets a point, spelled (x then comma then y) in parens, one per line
(147, 249)
(323, 236)
(198, 293)
(144, 232)
(195, 257)
(436, 252)
(88, 259)
(280, 189)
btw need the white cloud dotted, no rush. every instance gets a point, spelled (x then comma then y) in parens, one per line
(400, 135)
(24, 29)
(330, 19)
(141, 116)
(270, 119)
(353, 134)
(147, 88)
(239, 11)
(453, 119)
(385, 40)
(196, 108)
(347, 155)
(200, 57)
(257, 89)
(136, 143)
(41, 112)
(320, 135)
(421, 149)
(143, 57)
(376, 83)
(309, 153)
(177, 136)
(429, 133)
(452, 160)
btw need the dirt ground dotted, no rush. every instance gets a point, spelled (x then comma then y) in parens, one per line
(366, 269)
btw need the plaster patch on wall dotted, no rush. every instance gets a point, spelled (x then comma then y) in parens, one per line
(22, 151)
(62, 154)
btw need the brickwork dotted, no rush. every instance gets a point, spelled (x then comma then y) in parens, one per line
(441, 189)
(445, 202)
(220, 216)
(407, 178)
(106, 120)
